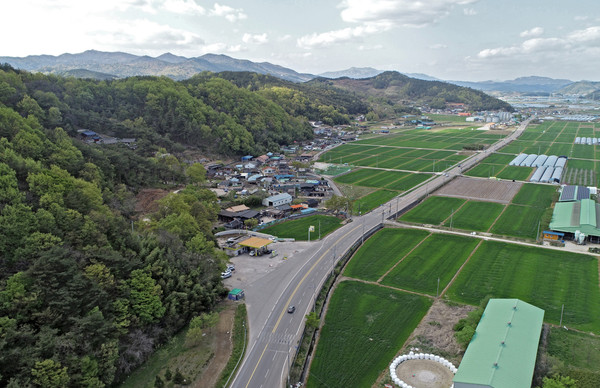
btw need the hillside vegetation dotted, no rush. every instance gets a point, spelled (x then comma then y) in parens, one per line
(392, 88)
(86, 294)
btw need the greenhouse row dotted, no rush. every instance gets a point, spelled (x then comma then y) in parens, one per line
(533, 160)
(587, 140)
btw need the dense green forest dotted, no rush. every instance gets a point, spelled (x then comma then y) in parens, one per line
(86, 293)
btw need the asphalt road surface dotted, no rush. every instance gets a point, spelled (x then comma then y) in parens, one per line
(274, 333)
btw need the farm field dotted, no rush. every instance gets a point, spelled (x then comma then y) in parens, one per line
(553, 138)
(371, 201)
(380, 252)
(438, 257)
(543, 277)
(480, 189)
(475, 215)
(365, 326)
(298, 229)
(536, 195)
(434, 210)
(519, 221)
(519, 218)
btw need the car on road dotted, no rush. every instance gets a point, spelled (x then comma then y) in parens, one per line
(291, 309)
(225, 275)
(230, 268)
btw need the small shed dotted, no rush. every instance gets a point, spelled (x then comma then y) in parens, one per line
(236, 294)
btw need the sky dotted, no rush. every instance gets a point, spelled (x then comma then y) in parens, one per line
(470, 40)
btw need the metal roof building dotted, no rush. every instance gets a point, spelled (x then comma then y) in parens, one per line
(583, 216)
(574, 193)
(503, 350)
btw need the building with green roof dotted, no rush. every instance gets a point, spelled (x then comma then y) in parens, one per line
(582, 216)
(503, 350)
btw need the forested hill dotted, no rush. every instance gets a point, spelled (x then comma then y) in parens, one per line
(399, 88)
(87, 288)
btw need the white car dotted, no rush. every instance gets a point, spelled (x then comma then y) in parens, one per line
(225, 275)
(230, 268)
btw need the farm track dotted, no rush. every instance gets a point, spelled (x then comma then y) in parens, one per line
(403, 257)
(497, 218)
(385, 286)
(460, 269)
(453, 213)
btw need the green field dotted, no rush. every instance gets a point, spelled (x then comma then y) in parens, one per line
(485, 170)
(356, 176)
(579, 350)
(371, 201)
(543, 277)
(298, 229)
(438, 257)
(475, 215)
(434, 210)
(408, 182)
(515, 172)
(519, 221)
(365, 326)
(536, 195)
(382, 251)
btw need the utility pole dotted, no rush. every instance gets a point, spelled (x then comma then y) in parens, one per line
(437, 293)
(561, 314)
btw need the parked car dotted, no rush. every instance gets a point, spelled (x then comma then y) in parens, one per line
(230, 267)
(291, 309)
(225, 275)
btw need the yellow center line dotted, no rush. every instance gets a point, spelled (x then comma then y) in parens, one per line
(260, 358)
(290, 299)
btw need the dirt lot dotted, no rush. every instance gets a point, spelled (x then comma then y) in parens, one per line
(424, 374)
(209, 376)
(145, 201)
(435, 333)
(480, 189)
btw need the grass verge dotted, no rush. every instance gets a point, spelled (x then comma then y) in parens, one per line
(239, 344)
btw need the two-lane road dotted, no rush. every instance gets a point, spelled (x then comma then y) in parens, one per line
(274, 333)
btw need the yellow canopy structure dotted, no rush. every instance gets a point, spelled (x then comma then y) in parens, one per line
(256, 242)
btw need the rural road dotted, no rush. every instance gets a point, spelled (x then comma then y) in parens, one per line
(273, 332)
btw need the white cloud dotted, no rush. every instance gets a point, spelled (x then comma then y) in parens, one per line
(469, 11)
(255, 39)
(284, 38)
(345, 35)
(145, 35)
(438, 46)
(220, 48)
(535, 31)
(229, 13)
(183, 7)
(405, 13)
(370, 48)
(573, 43)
